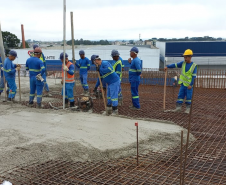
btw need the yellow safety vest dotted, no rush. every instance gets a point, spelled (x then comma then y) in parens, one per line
(114, 67)
(186, 77)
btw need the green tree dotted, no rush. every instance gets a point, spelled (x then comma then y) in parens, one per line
(26, 45)
(10, 39)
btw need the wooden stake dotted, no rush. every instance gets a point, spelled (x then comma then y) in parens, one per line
(19, 84)
(164, 98)
(101, 86)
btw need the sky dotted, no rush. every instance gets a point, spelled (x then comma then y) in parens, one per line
(114, 19)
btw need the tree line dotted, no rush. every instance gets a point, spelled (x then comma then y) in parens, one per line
(88, 42)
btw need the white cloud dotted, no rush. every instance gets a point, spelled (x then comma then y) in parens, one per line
(118, 19)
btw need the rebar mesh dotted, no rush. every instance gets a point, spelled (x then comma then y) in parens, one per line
(206, 161)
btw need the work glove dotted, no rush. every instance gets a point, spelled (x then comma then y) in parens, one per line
(66, 68)
(98, 68)
(2, 68)
(39, 77)
(18, 65)
(17, 68)
(74, 60)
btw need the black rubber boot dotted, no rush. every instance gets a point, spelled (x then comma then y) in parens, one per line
(115, 111)
(72, 104)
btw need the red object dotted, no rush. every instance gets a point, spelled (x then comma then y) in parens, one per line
(136, 124)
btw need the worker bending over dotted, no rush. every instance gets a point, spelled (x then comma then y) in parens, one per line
(84, 65)
(10, 74)
(188, 74)
(117, 66)
(134, 77)
(69, 69)
(36, 71)
(112, 80)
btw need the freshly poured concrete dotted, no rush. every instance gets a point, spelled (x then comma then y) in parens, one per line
(29, 135)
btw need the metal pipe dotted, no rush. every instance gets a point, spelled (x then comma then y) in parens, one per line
(73, 47)
(23, 37)
(2, 52)
(64, 40)
(164, 98)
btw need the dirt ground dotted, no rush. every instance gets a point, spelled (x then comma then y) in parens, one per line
(29, 135)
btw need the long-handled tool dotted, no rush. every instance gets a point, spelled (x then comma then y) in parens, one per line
(19, 84)
(101, 86)
(164, 98)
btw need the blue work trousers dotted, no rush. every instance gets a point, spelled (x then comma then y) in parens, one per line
(134, 92)
(184, 92)
(46, 87)
(1, 84)
(83, 79)
(112, 94)
(69, 91)
(120, 91)
(36, 85)
(12, 87)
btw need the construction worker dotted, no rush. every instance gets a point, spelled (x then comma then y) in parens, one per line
(69, 69)
(36, 71)
(188, 74)
(84, 65)
(112, 80)
(117, 66)
(42, 58)
(10, 74)
(134, 77)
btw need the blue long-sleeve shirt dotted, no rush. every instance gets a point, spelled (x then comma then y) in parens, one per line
(83, 65)
(107, 73)
(9, 69)
(35, 66)
(187, 67)
(42, 58)
(135, 70)
(71, 69)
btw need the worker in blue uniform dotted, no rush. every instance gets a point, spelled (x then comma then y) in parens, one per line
(42, 58)
(10, 74)
(69, 69)
(112, 80)
(134, 77)
(84, 65)
(36, 71)
(188, 74)
(117, 66)
(2, 86)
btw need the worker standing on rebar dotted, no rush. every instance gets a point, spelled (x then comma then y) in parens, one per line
(10, 74)
(117, 66)
(188, 74)
(84, 66)
(112, 80)
(69, 69)
(134, 77)
(42, 58)
(36, 71)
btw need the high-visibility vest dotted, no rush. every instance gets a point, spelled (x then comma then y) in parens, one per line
(68, 78)
(114, 67)
(186, 77)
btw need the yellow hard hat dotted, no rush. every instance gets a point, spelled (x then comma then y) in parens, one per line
(188, 52)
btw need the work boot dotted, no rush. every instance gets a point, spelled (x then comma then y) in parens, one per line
(134, 108)
(48, 95)
(66, 103)
(39, 106)
(13, 100)
(86, 92)
(30, 104)
(114, 111)
(72, 104)
(188, 107)
(108, 111)
(178, 107)
(9, 99)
